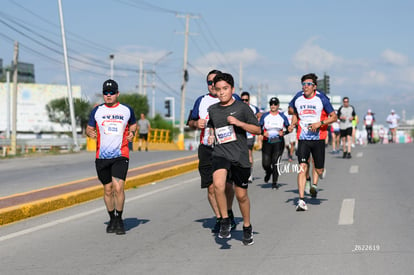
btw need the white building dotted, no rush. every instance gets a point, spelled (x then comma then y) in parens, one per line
(32, 116)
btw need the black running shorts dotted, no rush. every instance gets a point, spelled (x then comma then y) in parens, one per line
(205, 167)
(239, 175)
(314, 147)
(346, 132)
(108, 168)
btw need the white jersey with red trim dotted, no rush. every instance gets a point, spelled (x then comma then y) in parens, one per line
(311, 110)
(112, 124)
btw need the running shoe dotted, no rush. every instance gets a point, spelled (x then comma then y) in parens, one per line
(323, 174)
(301, 206)
(225, 228)
(344, 155)
(307, 186)
(348, 156)
(275, 186)
(111, 226)
(233, 222)
(313, 190)
(248, 235)
(216, 228)
(119, 227)
(267, 177)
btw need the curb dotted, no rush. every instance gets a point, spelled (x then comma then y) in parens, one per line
(38, 207)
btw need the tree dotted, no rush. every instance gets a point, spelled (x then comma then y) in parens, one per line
(58, 111)
(159, 122)
(138, 103)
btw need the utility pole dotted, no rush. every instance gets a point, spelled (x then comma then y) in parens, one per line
(141, 68)
(241, 77)
(13, 139)
(185, 79)
(111, 60)
(8, 103)
(71, 108)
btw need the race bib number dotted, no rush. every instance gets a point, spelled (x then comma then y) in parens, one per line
(112, 128)
(249, 136)
(225, 134)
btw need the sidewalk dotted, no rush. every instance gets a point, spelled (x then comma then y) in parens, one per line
(24, 205)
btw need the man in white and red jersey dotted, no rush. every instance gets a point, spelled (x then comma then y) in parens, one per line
(198, 120)
(113, 125)
(245, 97)
(312, 112)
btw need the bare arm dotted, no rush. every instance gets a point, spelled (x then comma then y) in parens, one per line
(131, 132)
(251, 128)
(91, 131)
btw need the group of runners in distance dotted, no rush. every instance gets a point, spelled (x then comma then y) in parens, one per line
(228, 126)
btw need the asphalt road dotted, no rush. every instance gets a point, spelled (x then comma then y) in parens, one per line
(19, 175)
(361, 223)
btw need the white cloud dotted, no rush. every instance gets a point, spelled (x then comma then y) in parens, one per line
(373, 78)
(313, 57)
(394, 58)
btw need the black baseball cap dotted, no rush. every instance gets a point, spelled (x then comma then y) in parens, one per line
(110, 85)
(274, 100)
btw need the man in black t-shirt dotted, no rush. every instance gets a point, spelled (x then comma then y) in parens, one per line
(229, 121)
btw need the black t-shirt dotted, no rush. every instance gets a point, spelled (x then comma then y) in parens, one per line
(231, 141)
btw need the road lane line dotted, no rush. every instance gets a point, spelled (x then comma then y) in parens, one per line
(80, 215)
(354, 169)
(346, 215)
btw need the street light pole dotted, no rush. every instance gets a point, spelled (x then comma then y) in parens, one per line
(71, 108)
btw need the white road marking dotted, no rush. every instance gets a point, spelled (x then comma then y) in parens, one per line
(346, 215)
(354, 169)
(80, 215)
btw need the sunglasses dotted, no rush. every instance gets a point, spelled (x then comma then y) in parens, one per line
(273, 104)
(245, 100)
(209, 82)
(307, 84)
(109, 93)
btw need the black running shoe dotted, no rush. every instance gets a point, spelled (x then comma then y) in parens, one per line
(267, 177)
(348, 155)
(119, 227)
(233, 222)
(313, 190)
(344, 155)
(111, 226)
(216, 228)
(225, 229)
(275, 186)
(248, 235)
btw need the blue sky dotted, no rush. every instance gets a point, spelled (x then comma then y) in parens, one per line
(365, 46)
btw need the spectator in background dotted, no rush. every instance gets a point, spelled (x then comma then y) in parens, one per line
(369, 120)
(144, 127)
(393, 120)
